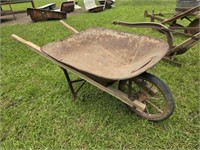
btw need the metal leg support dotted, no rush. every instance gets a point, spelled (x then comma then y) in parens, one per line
(70, 83)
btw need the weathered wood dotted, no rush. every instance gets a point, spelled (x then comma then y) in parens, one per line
(112, 91)
(27, 43)
(183, 14)
(124, 97)
(74, 31)
(187, 44)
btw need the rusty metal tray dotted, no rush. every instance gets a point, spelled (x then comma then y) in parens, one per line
(107, 53)
(44, 15)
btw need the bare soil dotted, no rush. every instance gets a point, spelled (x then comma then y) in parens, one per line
(21, 18)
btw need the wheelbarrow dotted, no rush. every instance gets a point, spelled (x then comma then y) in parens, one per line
(117, 63)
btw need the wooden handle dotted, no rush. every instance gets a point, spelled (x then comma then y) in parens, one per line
(27, 43)
(74, 31)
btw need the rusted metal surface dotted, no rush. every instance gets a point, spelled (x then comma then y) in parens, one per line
(67, 6)
(157, 26)
(185, 45)
(191, 14)
(181, 15)
(96, 9)
(71, 82)
(195, 25)
(108, 54)
(173, 49)
(44, 15)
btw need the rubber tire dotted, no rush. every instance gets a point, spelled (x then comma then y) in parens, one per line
(167, 95)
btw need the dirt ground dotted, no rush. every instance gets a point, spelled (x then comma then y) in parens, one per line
(21, 18)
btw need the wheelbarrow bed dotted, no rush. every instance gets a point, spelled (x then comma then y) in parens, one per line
(106, 54)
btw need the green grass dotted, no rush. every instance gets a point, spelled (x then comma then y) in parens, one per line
(36, 107)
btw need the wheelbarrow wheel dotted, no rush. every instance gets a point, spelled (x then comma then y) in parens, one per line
(151, 91)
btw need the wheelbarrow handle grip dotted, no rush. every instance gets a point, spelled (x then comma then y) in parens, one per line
(74, 31)
(27, 43)
(153, 25)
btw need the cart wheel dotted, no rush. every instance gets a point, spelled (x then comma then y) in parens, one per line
(194, 23)
(151, 91)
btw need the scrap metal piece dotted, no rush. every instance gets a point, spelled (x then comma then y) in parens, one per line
(44, 15)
